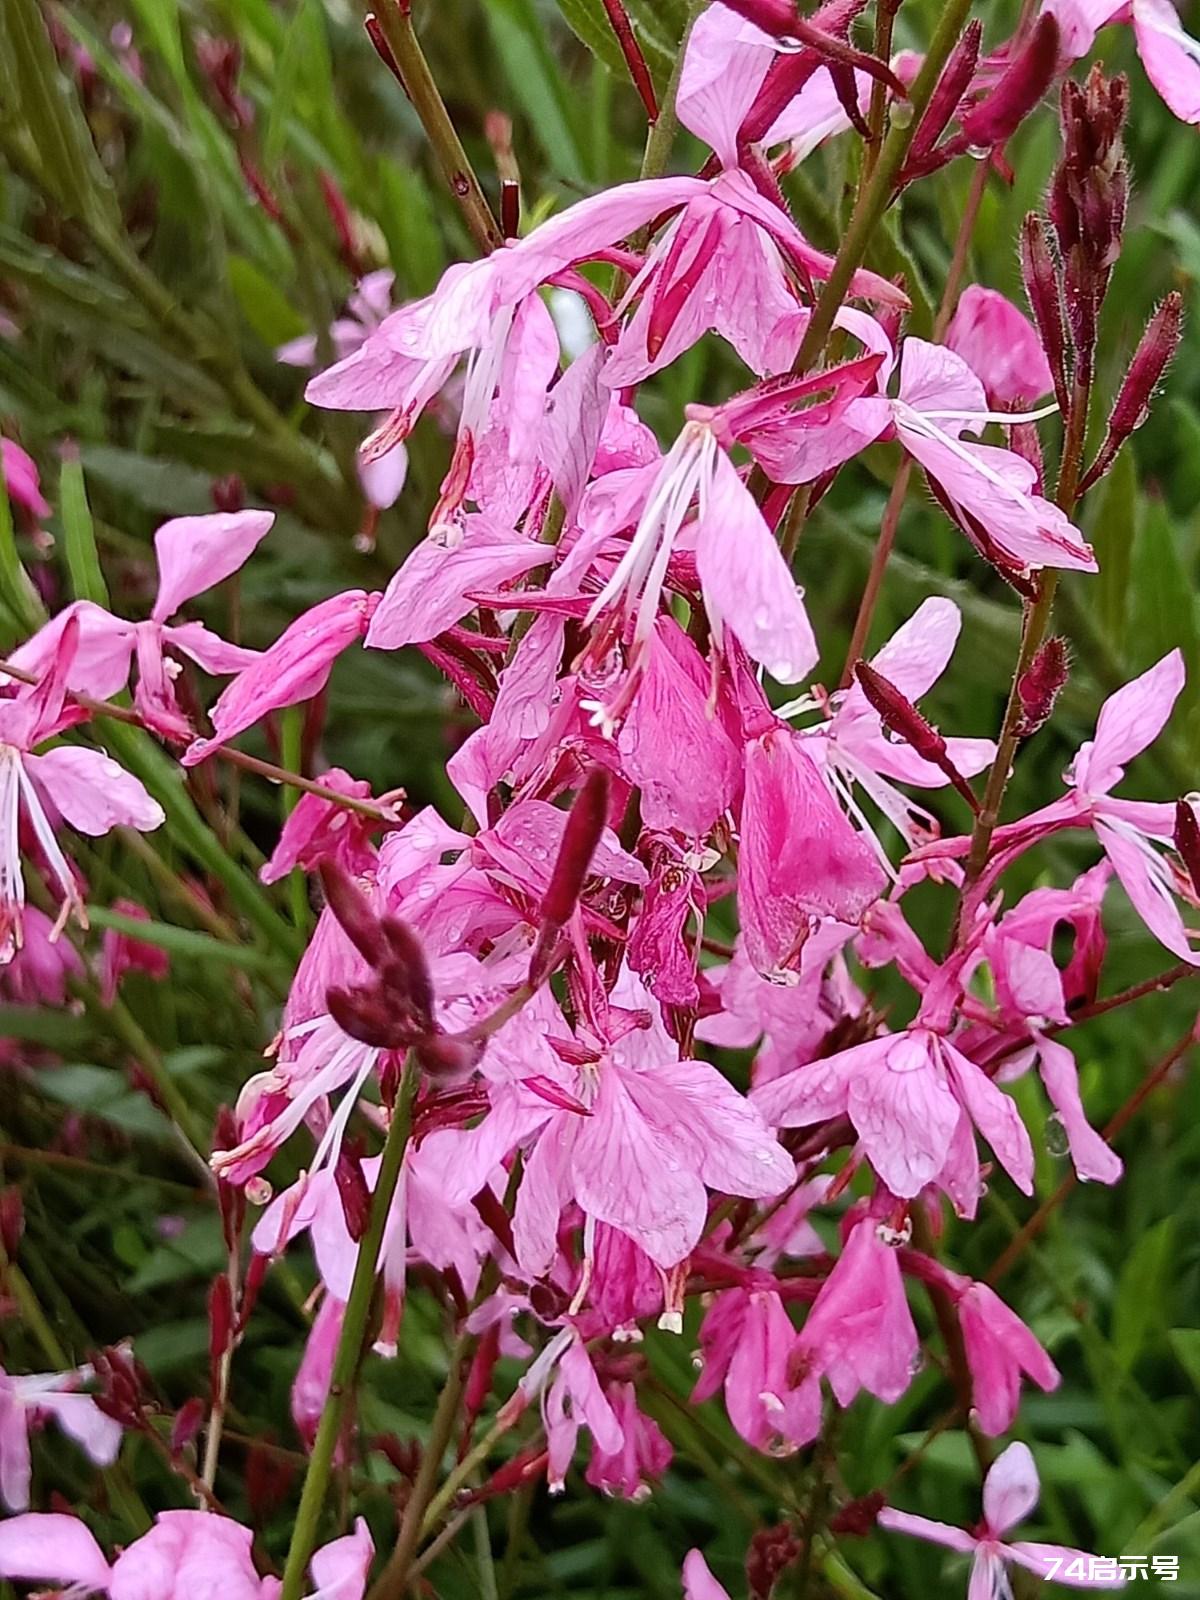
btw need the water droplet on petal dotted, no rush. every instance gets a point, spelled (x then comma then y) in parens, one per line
(1057, 1142)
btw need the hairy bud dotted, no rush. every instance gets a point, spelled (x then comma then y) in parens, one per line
(998, 115)
(1040, 684)
(1044, 293)
(947, 94)
(1158, 344)
(901, 717)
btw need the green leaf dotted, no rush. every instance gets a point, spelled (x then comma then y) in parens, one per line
(587, 21)
(265, 307)
(184, 942)
(105, 1093)
(1142, 1301)
(1185, 1342)
(79, 533)
(409, 225)
(1164, 613)
(1114, 536)
(43, 114)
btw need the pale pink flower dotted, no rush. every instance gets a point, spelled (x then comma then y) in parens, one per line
(1010, 1493)
(310, 1387)
(39, 972)
(26, 1401)
(747, 1344)
(194, 554)
(1170, 56)
(570, 1399)
(1000, 345)
(369, 303)
(642, 1457)
(860, 1332)
(698, 1581)
(85, 787)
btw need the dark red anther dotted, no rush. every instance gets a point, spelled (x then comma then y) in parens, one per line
(189, 1419)
(998, 116)
(585, 823)
(220, 1327)
(1157, 346)
(1040, 685)
(1187, 840)
(634, 59)
(352, 1189)
(901, 717)
(1044, 293)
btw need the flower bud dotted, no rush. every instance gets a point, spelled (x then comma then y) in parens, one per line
(1044, 293)
(771, 1552)
(189, 1419)
(220, 1326)
(382, 48)
(352, 1189)
(1040, 684)
(619, 21)
(1158, 344)
(12, 1221)
(999, 114)
(1187, 840)
(585, 823)
(947, 93)
(901, 717)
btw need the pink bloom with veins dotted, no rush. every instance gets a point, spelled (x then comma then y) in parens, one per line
(87, 789)
(860, 1332)
(194, 554)
(1010, 1492)
(1000, 345)
(25, 1401)
(747, 1342)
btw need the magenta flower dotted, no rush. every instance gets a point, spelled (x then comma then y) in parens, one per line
(642, 1457)
(85, 787)
(26, 1401)
(748, 1345)
(194, 554)
(860, 1332)
(1010, 1493)
(22, 482)
(121, 953)
(1000, 1350)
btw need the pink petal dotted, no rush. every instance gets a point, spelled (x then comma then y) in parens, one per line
(546, 1187)
(1148, 890)
(1130, 720)
(698, 1581)
(746, 582)
(904, 1114)
(1043, 1558)
(1092, 1157)
(92, 792)
(1010, 1490)
(100, 666)
(209, 650)
(1000, 345)
(197, 553)
(818, 1089)
(1171, 59)
(340, 1569)
(723, 70)
(589, 1402)
(429, 593)
(573, 423)
(52, 1548)
(15, 1466)
(81, 1419)
(924, 1528)
(994, 1114)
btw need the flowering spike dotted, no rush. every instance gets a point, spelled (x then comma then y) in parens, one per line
(901, 717)
(1040, 685)
(1157, 346)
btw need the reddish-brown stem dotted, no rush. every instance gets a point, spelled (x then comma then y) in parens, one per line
(634, 59)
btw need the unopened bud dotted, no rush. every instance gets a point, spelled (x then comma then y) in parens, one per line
(635, 61)
(220, 1326)
(1044, 293)
(1040, 684)
(354, 915)
(522, 1469)
(585, 823)
(229, 493)
(1187, 840)
(189, 1419)
(857, 1517)
(1132, 406)
(901, 717)
(999, 114)
(770, 1553)
(12, 1221)
(483, 1366)
(382, 48)
(947, 93)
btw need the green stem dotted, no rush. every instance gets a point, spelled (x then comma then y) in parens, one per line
(397, 27)
(348, 1358)
(661, 138)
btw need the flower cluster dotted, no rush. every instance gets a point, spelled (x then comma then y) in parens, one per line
(673, 842)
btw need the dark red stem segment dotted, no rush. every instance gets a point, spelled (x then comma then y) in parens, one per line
(634, 59)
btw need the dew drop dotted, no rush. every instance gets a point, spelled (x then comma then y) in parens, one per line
(1057, 1142)
(259, 1192)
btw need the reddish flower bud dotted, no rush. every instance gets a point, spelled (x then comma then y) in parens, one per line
(352, 1189)
(1158, 344)
(901, 717)
(634, 59)
(1187, 840)
(256, 1274)
(953, 83)
(522, 1469)
(999, 114)
(356, 918)
(1040, 684)
(858, 1516)
(483, 1366)
(229, 493)
(382, 48)
(510, 208)
(770, 1553)
(1044, 293)
(585, 824)
(189, 1419)
(123, 1386)
(12, 1221)
(220, 1326)
(393, 1010)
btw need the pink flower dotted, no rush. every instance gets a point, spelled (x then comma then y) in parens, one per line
(310, 1387)
(21, 480)
(748, 1344)
(860, 1332)
(1000, 1348)
(1010, 1493)
(194, 554)
(321, 830)
(25, 1401)
(90, 791)
(912, 1098)
(571, 1399)
(1170, 56)
(698, 1581)
(799, 858)
(294, 669)
(366, 308)
(39, 972)
(641, 1459)
(1000, 345)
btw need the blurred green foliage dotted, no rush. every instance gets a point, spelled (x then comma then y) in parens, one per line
(149, 286)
